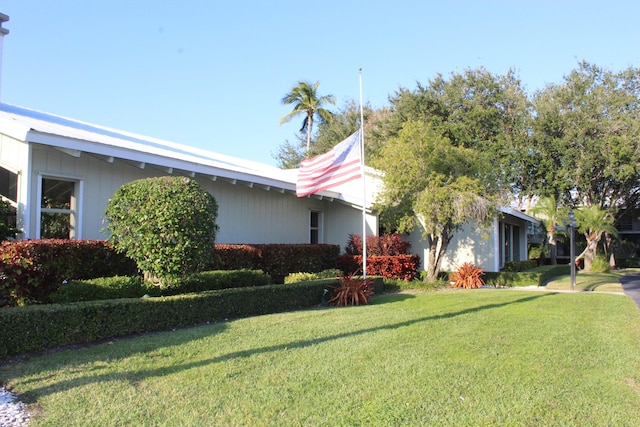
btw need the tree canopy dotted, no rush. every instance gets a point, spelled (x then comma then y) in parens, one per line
(432, 183)
(307, 102)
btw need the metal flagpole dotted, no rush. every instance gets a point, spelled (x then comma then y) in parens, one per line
(364, 192)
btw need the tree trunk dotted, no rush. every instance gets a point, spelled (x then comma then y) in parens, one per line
(437, 248)
(590, 253)
(553, 249)
(309, 124)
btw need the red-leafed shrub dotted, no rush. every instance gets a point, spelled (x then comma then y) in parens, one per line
(30, 270)
(352, 290)
(278, 260)
(403, 267)
(237, 257)
(384, 245)
(468, 276)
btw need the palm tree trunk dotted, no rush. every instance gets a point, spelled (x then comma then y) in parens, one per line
(309, 125)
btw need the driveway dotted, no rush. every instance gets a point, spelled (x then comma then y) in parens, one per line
(631, 286)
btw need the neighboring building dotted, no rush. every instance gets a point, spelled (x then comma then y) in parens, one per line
(60, 173)
(503, 241)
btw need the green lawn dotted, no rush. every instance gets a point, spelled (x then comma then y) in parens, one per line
(456, 357)
(598, 282)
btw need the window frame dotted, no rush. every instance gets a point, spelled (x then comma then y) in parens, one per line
(75, 209)
(317, 229)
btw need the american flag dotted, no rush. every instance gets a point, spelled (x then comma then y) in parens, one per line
(337, 166)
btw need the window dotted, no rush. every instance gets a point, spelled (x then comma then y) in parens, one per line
(9, 193)
(315, 227)
(58, 209)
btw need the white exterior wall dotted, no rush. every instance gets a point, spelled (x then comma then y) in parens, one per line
(14, 156)
(484, 248)
(245, 215)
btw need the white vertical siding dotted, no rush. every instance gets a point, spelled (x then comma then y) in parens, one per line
(245, 215)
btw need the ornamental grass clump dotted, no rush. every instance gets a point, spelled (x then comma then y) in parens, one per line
(353, 290)
(468, 276)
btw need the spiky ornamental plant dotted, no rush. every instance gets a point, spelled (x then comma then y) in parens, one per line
(468, 276)
(167, 225)
(353, 290)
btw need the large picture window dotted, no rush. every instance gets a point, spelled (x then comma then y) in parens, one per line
(58, 205)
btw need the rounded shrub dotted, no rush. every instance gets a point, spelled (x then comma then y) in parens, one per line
(167, 225)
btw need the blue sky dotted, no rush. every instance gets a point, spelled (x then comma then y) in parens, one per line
(211, 74)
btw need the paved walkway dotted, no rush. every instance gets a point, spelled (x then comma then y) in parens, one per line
(631, 286)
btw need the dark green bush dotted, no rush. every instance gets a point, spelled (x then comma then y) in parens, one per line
(515, 266)
(36, 328)
(103, 288)
(134, 287)
(166, 224)
(219, 279)
(628, 262)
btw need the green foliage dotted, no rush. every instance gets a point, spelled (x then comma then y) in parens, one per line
(352, 290)
(305, 277)
(306, 102)
(35, 328)
(430, 182)
(7, 212)
(600, 264)
(103, 288)
(134, 287)
(515, 266)
(397, 285)
(585, 135)
(167, 225)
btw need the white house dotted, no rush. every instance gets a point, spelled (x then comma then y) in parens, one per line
(59, 173)
(59, 170)
(489, 248)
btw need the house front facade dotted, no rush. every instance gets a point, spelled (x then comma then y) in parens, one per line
(503, 240)
(59, 174)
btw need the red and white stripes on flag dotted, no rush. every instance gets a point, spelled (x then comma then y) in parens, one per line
(337, 166)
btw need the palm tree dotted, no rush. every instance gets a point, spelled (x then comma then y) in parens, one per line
(593, 222)
(546, 210)
(305, 100)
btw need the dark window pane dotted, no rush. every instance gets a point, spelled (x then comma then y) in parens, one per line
(314, 236)
(56, 194)
(55, 225)
(315, 219)
(9, 184)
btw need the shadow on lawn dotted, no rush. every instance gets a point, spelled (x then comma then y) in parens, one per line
(135, 376)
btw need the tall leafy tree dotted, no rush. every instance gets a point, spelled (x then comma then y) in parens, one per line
(479, 110)
(587, 137)
(431, 183)
(307, 102)
(594, 222)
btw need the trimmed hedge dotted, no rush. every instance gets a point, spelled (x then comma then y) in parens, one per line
(134, 287)
(36, 328)
(538, 276)
(30, 270)
(404, 267)
(515, 266)
(277, 260)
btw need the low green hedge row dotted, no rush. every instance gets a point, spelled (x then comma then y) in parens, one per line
(534, 277)
(39, 327)
(134, 287)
